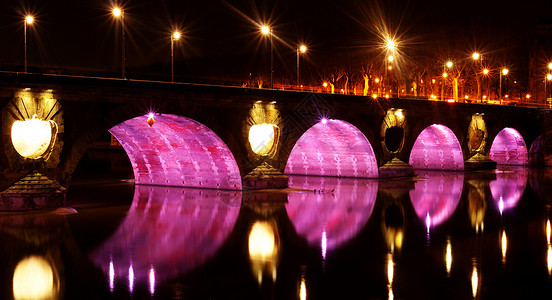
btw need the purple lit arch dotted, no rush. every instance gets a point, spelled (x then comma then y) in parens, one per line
(177, 151)
(437, 148)
(509, 148)
(333, 148)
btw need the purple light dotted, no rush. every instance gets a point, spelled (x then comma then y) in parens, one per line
(324, 121)
(509, 148)
(437, 148)
(177, 151)
(334, 149)
(336, 211)
(150, 115)
(508, 187)
(436, 198)
(174, 229)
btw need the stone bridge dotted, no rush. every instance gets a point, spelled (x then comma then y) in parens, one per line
(207, 136)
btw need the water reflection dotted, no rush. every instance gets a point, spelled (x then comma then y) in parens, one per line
(167, 232)
(508, 187)
(332, 211)
(264, 246)
(436, 196)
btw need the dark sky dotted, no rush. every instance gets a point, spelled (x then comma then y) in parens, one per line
(82, 36)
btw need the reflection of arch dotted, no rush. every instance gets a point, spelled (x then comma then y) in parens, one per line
(334, 214)
(509, 186)
(509, 148)
(177, 151)
(437, 196)
(437, 148)
(172, 230)
(333, 148)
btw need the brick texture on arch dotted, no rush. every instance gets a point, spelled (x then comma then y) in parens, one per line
(177, 151)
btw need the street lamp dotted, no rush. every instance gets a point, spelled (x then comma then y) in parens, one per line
(265, 30)
(300, 49)
(119, 13)
(448, 64)
(174, 37)
(28, 21)
(546, 79)
(504, 72)
(486, 72)
(477, 57)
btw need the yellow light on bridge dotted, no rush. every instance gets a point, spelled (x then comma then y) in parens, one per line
(32, 138)
(265, 29)
(261, 138)
(449, 64)
(29, 19)
(176, 35)
(117, 12)
(375, 96)
(303, 48)
(549, 77)
(34, 278)
(475, 56)
(505, 72)
(377, 80)
(485, 71)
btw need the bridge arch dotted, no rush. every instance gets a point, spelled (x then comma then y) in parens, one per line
(333, 148)
(177, 151)
(508, 148)
(437, 148)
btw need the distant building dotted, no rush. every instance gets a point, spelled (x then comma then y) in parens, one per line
(540, 56)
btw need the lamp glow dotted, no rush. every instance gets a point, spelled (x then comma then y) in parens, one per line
(265, 29)
(29, 19)
(475, 56)
(150, 119)
(34, 278)
(33, 138)
(117, 12)
(261, 138)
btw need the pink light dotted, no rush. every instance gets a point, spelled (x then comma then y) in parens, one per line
(152, 280)
(111, 276)
(130, 279)
(437, 196)
(437, 148)
(337, 210)
(177, 151)
(509, 148)
(324, 121)
(174, 229)
(150, 115)
(508, 187)
(334, 149)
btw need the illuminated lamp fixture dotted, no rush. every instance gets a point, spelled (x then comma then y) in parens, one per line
(32, 138)
(150, 119)
(261, 138)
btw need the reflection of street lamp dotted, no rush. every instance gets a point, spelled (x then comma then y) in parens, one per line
(118, 13)
(300, 49)
(28, 21)
(174, 37)
(265, 30)
(504, 72)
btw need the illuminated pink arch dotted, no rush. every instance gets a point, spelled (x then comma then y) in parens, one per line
(333, 148)
(177, 151)
(509, 148)
(437, 148)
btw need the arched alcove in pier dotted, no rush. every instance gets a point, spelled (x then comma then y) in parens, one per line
(333, 148)
(437, 148)
(177, 151)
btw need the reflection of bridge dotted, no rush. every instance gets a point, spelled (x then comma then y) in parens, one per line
(170, 232)
(212, 136)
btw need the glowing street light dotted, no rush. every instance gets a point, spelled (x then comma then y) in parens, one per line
(546, 79)
(300, 49)
(265, 30)
(28, 21)
(448, 64)
(175, 36)
(120, 14)
(504, 72)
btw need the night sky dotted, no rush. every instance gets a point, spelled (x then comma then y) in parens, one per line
(220, 38)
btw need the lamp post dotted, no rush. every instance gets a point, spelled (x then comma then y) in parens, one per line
(477, 57)
(448, 65)
(174, 37)
(268, 31)
(119, 13)
(28, 21)
(504, 72)
(546, 79)
(300, 49)
(486, 72)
